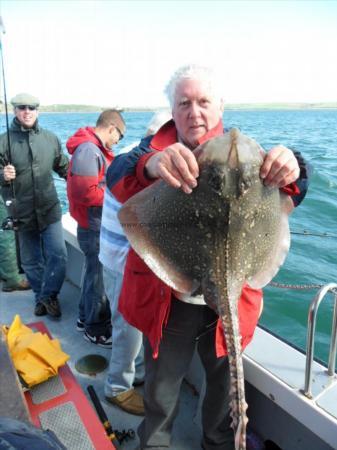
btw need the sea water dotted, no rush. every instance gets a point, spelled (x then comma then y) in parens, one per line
(313, 255)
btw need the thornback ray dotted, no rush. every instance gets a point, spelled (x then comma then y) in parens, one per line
(229, 231)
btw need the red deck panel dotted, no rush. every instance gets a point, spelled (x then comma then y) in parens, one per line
(75, 395)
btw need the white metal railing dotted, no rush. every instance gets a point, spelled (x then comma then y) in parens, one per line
(312, 316)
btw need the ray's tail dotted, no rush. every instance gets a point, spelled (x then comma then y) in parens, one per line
(237, 388)
(223, 292)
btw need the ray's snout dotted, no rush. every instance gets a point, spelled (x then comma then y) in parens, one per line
(233, 155)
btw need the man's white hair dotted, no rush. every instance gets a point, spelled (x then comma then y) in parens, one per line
(194, 72)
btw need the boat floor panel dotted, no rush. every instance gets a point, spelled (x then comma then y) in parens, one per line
(66, 423)
(48, 390)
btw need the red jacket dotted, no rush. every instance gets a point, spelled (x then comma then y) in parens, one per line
(86, 177)
(145, 300)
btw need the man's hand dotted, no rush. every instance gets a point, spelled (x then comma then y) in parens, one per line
(9, 172)
(280, 167)
(176, 165)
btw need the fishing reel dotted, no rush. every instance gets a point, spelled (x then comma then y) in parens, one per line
(124, 435)
(10, 224)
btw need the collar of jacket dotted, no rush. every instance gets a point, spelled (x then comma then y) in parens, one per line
(167, 135)
(86, 134)
(17, 126)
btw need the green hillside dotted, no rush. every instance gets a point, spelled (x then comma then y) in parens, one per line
(64, 108)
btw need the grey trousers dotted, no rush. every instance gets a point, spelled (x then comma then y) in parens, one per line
(189, 327)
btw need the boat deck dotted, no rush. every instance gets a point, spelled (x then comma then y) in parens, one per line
(186, 434)
(274, 373)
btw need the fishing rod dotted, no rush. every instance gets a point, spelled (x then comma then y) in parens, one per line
(10, 223)
(2, 31)
(309, 233)
(103, 417)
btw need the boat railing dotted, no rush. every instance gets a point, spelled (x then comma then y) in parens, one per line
(312, 317)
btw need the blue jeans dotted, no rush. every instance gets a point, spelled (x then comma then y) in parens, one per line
(94, 309)
(126, 360)
(44, 258)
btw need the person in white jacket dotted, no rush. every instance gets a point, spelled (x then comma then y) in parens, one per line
(126, 368)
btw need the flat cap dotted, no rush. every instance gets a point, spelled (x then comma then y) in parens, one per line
(25, 99)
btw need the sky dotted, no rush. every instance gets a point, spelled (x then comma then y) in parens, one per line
(123, 53)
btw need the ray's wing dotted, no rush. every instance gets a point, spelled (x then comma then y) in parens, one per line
(154, 223)
(278, 252)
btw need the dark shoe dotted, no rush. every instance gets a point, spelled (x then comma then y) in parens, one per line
(130, 401)
(80, 325)
(40, 309)
(52, 306)
(101, 341)
(22, 285)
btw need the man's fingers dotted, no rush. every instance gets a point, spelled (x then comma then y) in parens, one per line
(9, 173)
(176, 165)
(190, 161)
(185, 168)
(170, 179)
(283, 178)
(174, 179)
(280, 167)
(291, 177)
(269, 160)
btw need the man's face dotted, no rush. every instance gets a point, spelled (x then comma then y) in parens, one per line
(195, 111)
(113, 137)
(26, 115)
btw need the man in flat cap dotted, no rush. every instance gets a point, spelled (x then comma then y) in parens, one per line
(91, 150)
(28, 165)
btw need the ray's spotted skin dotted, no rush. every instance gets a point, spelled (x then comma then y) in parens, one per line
(231, 230)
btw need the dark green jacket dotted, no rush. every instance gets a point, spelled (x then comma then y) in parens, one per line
(35, 154)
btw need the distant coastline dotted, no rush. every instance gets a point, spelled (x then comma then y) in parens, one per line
(323, 105)
(74, 108)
